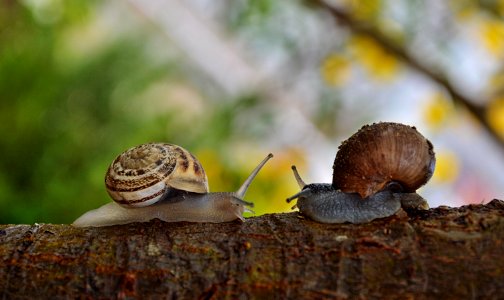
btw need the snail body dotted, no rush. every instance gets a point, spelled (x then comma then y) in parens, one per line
(376, 172)
(164, 181)
(187, 206)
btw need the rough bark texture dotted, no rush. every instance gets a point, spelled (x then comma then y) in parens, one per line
(444, 253)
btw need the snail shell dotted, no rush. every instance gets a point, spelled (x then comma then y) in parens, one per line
(144, 174)
(382, 153)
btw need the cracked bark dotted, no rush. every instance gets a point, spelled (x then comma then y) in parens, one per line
(440, 253)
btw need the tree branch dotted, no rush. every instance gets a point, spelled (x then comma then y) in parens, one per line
(400, 53)
(440, 253)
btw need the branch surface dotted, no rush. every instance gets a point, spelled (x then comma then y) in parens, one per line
(440, 253)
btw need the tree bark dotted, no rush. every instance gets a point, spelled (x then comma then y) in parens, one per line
(445, 253)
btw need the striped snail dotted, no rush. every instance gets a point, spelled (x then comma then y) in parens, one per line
(167, 182)
(375, 173)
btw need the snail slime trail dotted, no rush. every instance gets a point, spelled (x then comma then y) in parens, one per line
(375, 173)
(164, 181)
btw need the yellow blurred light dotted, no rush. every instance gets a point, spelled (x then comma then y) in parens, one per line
(495, 115)
(464, 10)
(374, 58)
(437, 110)
(365, 10)
(335, 69)
(214, 169)
(500, 7)
(278, 182)
(447, 167)
(493, 36)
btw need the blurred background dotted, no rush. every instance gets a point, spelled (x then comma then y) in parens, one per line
(82, 81)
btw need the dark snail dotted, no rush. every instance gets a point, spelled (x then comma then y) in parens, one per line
(164, 181)
(375, 172)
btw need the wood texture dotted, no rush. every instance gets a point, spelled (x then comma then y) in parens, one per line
(444, 253)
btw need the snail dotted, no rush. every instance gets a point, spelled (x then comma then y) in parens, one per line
(164, 181)
(375, 173)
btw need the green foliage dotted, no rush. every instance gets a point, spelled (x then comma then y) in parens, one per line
(57, 116)
(75, 94)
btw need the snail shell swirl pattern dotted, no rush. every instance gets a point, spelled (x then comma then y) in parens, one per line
(143, 174)
(381, 153)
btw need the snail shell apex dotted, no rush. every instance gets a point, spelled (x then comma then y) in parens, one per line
(380, 153)
(142, 175)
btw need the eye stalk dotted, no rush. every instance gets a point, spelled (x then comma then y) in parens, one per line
(240, 193)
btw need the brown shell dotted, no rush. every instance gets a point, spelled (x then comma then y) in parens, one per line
(380, 153)
(143, 174)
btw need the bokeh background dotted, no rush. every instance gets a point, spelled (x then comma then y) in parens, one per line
(82, 81)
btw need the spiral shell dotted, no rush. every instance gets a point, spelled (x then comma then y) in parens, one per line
(380, 153)
(143, 174)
